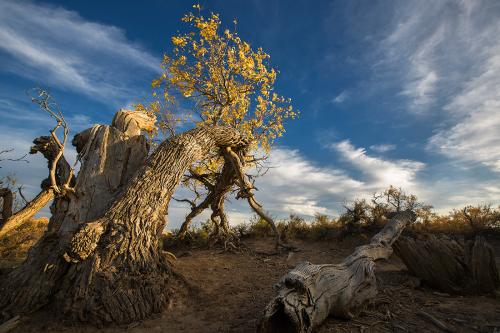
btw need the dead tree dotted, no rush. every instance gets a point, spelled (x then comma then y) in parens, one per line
(6, 193)
(49, 149)
(100, 260)
(310, 293)
(450, 265)
(61, 178)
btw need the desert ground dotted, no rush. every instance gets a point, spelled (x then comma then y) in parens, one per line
(220, 291)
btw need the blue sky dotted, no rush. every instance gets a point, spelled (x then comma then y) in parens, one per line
(390, 92)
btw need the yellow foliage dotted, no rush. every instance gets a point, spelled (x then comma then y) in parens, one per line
(230, 83)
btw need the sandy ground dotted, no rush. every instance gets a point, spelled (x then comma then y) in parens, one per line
(228, 293)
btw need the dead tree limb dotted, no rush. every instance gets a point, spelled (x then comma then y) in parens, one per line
(50, 150)
(27, 212)
(309, 293)
(45, 101)
(246, 191)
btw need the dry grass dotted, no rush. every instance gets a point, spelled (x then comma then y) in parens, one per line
(14, 245)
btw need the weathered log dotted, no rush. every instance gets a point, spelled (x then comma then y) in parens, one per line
(309, 293)
(451, 265)
(10, 324)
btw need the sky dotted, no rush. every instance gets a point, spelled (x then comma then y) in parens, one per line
(403, 93)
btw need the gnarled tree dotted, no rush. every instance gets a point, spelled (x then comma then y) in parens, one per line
(224, 82)
(100, 259)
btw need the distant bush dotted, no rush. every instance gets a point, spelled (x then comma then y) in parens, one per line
(197, 236)
(359, 217)
(468, 220)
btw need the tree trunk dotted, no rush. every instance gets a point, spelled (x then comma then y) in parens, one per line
(450, 265)
(101, 262)
(7, 203)
(215, 198)
(309, 293)
(109, 155)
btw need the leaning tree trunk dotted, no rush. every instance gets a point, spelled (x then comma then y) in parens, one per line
(450, 265)
(104, 265)
(309, 293)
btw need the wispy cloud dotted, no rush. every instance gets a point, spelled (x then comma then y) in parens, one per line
(340, 98)
(61, 48)
(297, 185)
(383, 148)
(448, 54)
(475, 115)
(379, 173)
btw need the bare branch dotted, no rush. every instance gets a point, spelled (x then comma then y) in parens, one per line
(44, 100)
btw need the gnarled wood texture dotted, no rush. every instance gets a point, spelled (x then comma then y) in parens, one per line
(450, 265)
(7, 202)
(309, 293)
(215, 198)
(100, 259)
(110, 155)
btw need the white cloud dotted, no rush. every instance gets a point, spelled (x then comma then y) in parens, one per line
(475, 111)
(383, 148)
(340, 98)
(59, 47)
(448, 55)
(379, 173)
(297, 185)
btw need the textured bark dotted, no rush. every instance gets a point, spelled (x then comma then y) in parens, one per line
(215, 199)
(100, 260)
(7, 202)
(450, 265)
(309, 293)
(104, 168)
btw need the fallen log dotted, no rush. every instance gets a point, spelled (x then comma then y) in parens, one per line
(449, 264)
(309, 293)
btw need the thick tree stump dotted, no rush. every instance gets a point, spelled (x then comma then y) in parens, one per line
(309, 293)
(110, 156)
(100, 259)
(450, 265)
